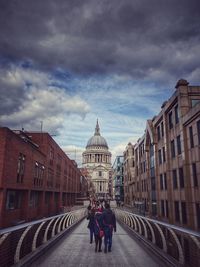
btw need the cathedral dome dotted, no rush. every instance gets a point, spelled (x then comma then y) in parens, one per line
(97, 139)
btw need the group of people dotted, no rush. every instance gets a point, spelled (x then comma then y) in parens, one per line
(102, 223)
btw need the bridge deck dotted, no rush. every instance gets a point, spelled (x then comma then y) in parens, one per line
(75, 250)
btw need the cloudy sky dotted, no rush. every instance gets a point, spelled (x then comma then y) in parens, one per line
(66, 63)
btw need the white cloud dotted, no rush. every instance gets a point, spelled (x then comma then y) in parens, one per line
(42, 102)
(74, 153)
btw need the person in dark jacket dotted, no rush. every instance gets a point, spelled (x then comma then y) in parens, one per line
(98, 227)
(90, 217)
(109, 224)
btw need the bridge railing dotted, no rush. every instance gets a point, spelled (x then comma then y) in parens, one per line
(177, 243)
(17, 242)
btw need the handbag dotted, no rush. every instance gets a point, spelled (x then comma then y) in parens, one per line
(101, 232)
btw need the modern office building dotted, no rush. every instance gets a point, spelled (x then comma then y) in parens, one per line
(118, 179)
(97, 161)
(37, 179)
(167, 161)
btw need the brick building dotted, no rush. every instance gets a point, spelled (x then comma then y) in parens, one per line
(37, 179)
(167, 161)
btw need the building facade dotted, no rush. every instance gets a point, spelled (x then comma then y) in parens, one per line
(129, 174)
(37, 179)
(97, 161)
(167, 161)
(118, 179)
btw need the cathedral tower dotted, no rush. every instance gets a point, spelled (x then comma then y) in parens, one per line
(97, 161)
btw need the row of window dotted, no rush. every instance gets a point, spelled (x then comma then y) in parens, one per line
(180, 211)
(14, 199)
(178, 180)
(38, 171)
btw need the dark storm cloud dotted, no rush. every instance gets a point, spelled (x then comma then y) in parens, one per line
(136, 37)
(12, 91)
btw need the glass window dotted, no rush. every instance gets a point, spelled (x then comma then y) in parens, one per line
(176, 210)
(21, 168)
(163, 150)
(158, 132)
(100, 173)
(178, 140)
(175, 184)
(160, 156)
(170, 117)
(13, 199)
(34, 199)
(195, 101)
(181, 178)
(51, 152)
(173, 154)
(191, 137)
(194, 173)
(161, 182)
(167, 209)
(176, 114)
(162, 129)
(153, 183)
(184, 212)
(198, 130)
(162, 208)
(198, 214)
(38, 174)
(165, 180)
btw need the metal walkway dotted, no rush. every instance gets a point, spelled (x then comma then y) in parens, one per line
(75, 250)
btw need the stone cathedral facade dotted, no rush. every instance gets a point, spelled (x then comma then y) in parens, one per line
(97, 161)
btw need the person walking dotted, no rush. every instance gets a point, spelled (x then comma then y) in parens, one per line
(109, 224)
(98, 230)
(91, 223)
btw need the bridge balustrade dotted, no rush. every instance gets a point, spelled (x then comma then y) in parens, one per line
(180, 244)
(18, 242)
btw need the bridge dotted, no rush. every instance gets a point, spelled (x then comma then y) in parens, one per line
(63, 240)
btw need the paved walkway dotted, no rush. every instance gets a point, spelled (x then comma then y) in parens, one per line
(75, 250)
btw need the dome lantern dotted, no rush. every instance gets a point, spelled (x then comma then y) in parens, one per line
(97, 129)
(97, 139)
